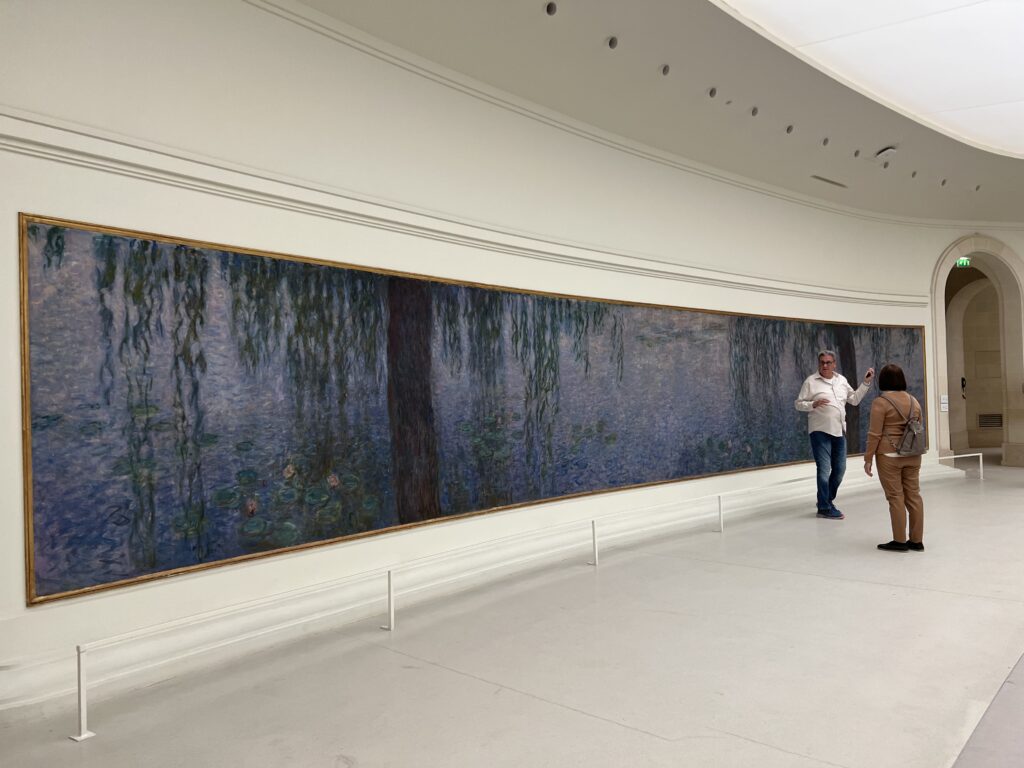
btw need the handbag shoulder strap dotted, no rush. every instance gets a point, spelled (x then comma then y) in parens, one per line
(905, 418)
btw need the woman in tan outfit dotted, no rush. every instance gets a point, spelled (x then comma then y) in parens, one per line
(899, 475)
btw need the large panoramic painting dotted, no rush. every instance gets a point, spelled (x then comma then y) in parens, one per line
(188, 404)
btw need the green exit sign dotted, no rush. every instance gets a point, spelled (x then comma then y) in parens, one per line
(963, 262)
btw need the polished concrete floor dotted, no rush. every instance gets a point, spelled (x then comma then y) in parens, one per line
(786, 642)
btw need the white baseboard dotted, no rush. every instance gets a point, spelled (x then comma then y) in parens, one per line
(205, 640)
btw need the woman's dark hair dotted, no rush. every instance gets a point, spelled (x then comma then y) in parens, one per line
(891, 379)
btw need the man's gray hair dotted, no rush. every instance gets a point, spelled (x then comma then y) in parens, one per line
(828, 352)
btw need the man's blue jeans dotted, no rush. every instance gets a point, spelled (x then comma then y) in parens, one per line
(830, 456)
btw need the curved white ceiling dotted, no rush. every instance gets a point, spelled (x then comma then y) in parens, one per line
(954, 65)
(698, 82)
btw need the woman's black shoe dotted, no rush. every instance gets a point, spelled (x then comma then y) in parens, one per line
(895, 546)
(915, 546)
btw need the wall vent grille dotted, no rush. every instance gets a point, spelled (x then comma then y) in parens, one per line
(990, 421)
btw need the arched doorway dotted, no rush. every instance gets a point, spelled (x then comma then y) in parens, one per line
(984, 318)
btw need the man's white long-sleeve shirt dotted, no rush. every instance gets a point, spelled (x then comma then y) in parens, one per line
(830, 418)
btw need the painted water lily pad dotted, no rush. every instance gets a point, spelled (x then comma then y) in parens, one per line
(330, 514)
(228, 498)
(247, 476)
(317, 496)
(189, 524)
(285, 534)
(244, 446)
(255, 528)
(287, 495)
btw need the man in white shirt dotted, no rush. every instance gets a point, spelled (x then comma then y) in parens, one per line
(823, 397)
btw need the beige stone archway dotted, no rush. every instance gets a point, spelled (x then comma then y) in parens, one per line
(1004, 268)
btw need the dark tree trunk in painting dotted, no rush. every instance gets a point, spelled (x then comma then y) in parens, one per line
(410, 400)
(848, 367)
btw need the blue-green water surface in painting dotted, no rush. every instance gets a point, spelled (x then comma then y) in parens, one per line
(192, 405)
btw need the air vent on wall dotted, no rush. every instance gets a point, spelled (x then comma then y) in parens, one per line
(829, 181)
(990, 421)
(885, 153)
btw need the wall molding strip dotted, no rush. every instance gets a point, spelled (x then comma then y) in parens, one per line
(34, 137)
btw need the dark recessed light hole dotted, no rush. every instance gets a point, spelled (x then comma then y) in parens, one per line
(824, 142)
(943, 183)
(856, 153)
(713, 92)
(913, 175)
(664, 70)
(727, 103)
(753, 112)
(978, 188)
(789, 129)
(885, 164)
(551, 8)
(613, 42)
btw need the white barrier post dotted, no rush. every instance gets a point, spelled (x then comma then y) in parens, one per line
(721, 515)
(981, 461)
(593, 536)
(390, 626)
(83, 727)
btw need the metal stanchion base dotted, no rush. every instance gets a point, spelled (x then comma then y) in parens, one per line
(82, 736)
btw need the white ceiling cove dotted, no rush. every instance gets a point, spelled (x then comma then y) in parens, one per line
(693, 79)
(957, 65)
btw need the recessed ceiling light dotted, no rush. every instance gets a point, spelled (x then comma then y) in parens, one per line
(753, 112)
(824, 142)
(613, 42)
(712, 92)
(978, 188)
(664, 69)
(789, 129)
(943, 183)
(856, 153)
(913, 175)
(551, 8)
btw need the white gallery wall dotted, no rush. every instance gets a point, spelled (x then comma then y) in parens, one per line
(266, 126)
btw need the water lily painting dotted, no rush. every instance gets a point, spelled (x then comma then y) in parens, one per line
(189, 404)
